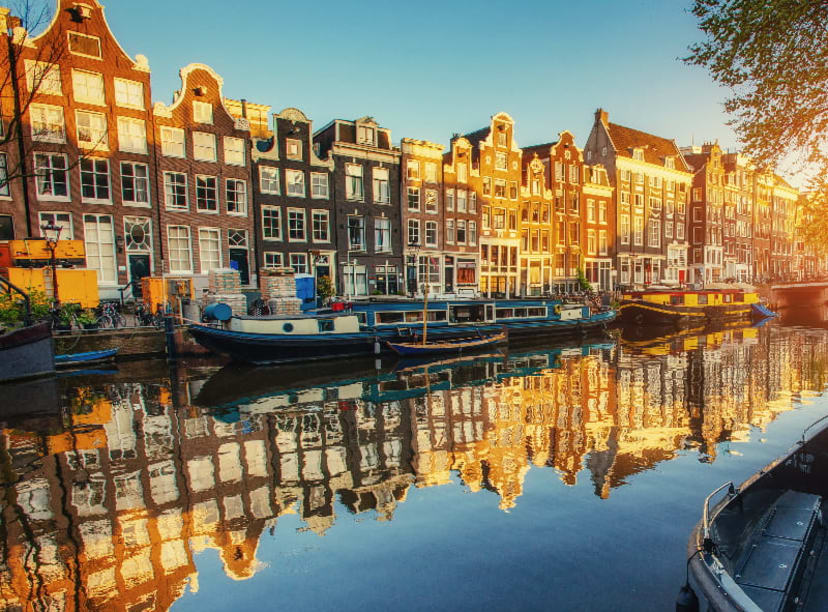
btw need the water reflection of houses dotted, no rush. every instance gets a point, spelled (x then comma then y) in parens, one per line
(137, 479)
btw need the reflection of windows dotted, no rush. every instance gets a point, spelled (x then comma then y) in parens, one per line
(272, 222)
(95, 179)
(175, 190)
(43, 78)
(500, 160)
(134, 183)
(172, 142)
(268, 179)
(431, 200)
(47, 123)
(132, 135)
(431, 172)
(206, 193)
(91, 128)
(295, 180)
(412, 169)
(382, 235)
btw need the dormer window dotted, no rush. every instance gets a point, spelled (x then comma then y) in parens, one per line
(366, 135)
(293, 148)
(501, 136)
(638, 154)
(670, 162)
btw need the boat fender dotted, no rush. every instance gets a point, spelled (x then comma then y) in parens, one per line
(556, 309)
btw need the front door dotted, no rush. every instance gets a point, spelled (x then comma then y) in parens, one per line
(238, 261)
(139, 267)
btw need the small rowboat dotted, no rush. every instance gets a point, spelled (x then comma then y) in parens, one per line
(453, 345)
(73, 360)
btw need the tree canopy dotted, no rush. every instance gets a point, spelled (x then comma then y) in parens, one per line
(773, 55)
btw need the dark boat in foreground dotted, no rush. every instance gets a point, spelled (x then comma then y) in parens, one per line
(762, 547)
(73, 360)
(26, 352)
(447, 346)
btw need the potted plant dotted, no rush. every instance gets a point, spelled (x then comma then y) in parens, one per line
(65, 316)
(324, 289)
(87, 319)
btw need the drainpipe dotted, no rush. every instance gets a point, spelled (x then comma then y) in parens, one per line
(21, 148)
(254, 201)
(158, 204)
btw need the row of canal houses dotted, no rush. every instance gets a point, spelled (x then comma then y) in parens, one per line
(210, 182)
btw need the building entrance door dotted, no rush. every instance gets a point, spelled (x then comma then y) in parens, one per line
(238, 261)
(139, 267)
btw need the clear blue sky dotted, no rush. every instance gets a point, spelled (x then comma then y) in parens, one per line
(428, 69)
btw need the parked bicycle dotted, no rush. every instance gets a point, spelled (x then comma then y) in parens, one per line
(109, 316)
(147, 318)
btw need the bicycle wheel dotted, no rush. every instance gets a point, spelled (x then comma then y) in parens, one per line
(104, 321)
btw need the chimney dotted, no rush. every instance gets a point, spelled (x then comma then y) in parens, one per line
(602, 116)
(244, 108)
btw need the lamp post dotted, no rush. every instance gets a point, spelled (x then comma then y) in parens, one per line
(51, 233)
(414, 248)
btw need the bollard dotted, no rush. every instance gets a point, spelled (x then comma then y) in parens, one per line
(169, 331)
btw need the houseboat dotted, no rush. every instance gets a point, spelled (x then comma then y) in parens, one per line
(522, 319)
(687, 308)
(762, 546)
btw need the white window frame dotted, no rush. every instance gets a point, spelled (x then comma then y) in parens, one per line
(200, 147)
(65, 233)
(125, 93)
(293, 148)
(81, 89)
(128, 135)
(173, 148)
(43, 78)
(170, 250)
(236, 196)
(213, 231)
(298, 213)
(136, 179)
(277, 217)
(381, 183)
(5, 192)
(202, 112)
(46, 116)
(266, 182)
(277, 259)
(294, 188)
(318, 181)
(431, 226)
(90, 257)
(385, 247)
(95, 173)
(431, 172)
(354, 183)
(202, 177)
(234, 153)
(168, 193)
(323, 216)
(97, 39)
(99, 138)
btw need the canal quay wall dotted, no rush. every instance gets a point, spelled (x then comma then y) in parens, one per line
(132, 343)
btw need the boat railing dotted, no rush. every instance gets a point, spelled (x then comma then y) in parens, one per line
(814, 424)
(707, 519)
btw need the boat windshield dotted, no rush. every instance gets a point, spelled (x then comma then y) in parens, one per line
(467, 313)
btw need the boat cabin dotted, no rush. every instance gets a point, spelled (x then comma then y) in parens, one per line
(441, 312)
(713, 297)
(296, 325)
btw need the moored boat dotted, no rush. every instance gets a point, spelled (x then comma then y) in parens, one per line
(26, 352)
(447, 346)
(682, 308)
(73, 360)
(762, 546)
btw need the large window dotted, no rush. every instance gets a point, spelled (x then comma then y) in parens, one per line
(431, 200)
(206, 193)
(84, 44)
(88, 87)
(95, 180)
(92, 132)
(353, 182)
(269, 180)
(180, 253)
(4, 175)
(209, 248)
(236, 197)
(356, 233)
(134, 184)
(462, 201)
(204, 146)
(413, 198)
(382, 188)
(234, 151)
(99, 237)
(412, 169)
(129, 94)
(63, 220)
(173, 142)
(431, 233)
(132, 135)
(450, 231)
(321, 226)
(202, 112)
(413, 231)
(654, 233)
(295, 180)
(47, 123)
(43, 78)
(175, 191)
(382, 235)
(271, 222)
(319, 185)
(296, 225)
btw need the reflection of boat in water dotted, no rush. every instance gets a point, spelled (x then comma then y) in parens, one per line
(448, 346)
(762, 546)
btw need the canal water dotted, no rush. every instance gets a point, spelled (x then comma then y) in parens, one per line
(558, 477)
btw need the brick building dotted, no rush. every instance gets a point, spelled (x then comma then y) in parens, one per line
(784, 209)
(497, 159)
(462, 195)
(707, 213)
(366, 192)
(293, 199)
(599, 222)
(738, 235)
(87, 140)
(652, 184)
(421, 217)
(203, 180)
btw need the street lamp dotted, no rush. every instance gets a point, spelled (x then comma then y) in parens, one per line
(51, 233)
(414, 247)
